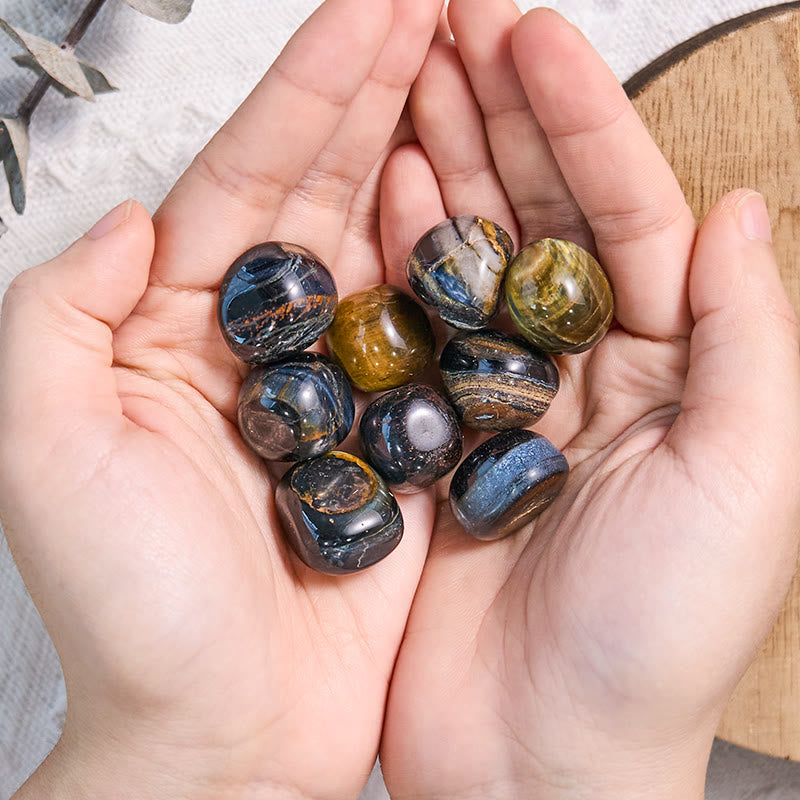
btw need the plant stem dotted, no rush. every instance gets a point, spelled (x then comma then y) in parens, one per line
(75, 34)
(84, 21)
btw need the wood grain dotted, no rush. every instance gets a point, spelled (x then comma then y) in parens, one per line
(725, 109)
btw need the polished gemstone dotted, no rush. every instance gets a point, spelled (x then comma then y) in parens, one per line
(457, 267)
(559, 297)
(411, 436)
(337, 513)
(276, 299)
(381, 337)
(296, 408)
(505, 482)
(497, 381)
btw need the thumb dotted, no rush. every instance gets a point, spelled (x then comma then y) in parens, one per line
(739, 425)
(56, 338)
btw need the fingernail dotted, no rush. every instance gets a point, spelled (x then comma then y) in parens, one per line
(112, 220)
(754, 218)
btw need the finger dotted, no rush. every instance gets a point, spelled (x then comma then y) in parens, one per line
(742, 399)
(643, 228)
(532, 179)
(227, 199)
(449, 124)
(56, 342)
(410, 205)
(360, 249)
(317, 210)
(443, 32)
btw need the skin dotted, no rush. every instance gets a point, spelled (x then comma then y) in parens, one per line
(589, 655)
(592, 654)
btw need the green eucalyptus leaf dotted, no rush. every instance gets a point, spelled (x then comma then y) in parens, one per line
(99, 83)
(59, 64)
(14, 146)
(165, 10)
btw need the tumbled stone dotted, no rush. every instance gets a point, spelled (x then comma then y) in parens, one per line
(337, 513)
(506, 482)
(411, 436)
(559, 297)
(381, 337)
(276, 299)
(296, 408)
(458, 266)
(496, 380)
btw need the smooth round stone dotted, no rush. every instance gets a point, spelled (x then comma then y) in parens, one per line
(458, 266)
(506, 482)
(497, 381)
(296, 408)
(411, 436)
(337, 513)
(276, 299)
(559, 297)
(381, 337)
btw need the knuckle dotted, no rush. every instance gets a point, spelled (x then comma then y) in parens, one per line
(784, 317)
(25, 285)
(326, 188)
(623, 226)
(610, 117)
(254, 188)
(561, 217)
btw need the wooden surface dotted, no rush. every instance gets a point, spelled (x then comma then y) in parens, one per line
(725, 110)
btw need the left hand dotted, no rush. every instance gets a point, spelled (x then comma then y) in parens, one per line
(591, 654)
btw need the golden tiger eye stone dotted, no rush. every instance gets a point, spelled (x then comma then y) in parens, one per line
(381, 337)
(558, 296)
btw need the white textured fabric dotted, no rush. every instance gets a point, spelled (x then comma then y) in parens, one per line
(178, 84)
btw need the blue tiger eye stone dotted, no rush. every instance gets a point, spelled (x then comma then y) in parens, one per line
(458, 266)
(337, 513)
(506, 482)
(275, 299)
(497, 381)
(295, 409)
(411, 436)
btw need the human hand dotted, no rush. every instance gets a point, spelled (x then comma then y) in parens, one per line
(201, 657)
(592, 654)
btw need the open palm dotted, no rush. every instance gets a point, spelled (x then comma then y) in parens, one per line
(594, 650)
(189, 634)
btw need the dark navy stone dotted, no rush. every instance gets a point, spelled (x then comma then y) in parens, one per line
(295, 409)
(506, 482)
(458, 267)
(276, 299)
(337, 513)
(411, 436)
(496, 380)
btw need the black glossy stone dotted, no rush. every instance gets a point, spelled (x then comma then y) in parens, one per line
(411, 436)
(505, 482)
(295, 409)
(458, 267)
(496, 380)
(276, 299)
(337, 513)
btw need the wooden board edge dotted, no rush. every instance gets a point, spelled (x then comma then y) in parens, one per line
(645, 76)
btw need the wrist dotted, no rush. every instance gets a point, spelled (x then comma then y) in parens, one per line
(76, 770)
(670, 773)
(581, 770)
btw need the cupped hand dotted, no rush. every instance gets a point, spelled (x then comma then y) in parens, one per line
(591, 654)
(201, 657)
